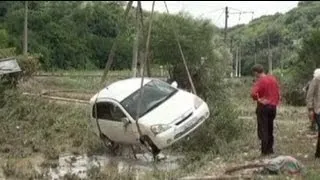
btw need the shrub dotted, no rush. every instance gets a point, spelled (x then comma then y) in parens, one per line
(29, 65)
(297, 76)
(222, 127)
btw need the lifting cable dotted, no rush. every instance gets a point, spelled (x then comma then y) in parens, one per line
(143, 64)
(142, 74)
(142, 69)
(182, 55)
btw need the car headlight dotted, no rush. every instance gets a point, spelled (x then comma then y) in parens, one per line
(197, 102)
(159, 128)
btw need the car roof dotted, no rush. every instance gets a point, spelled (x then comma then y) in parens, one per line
(121, 89)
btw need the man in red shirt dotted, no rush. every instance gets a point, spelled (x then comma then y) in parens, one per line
(267, 94)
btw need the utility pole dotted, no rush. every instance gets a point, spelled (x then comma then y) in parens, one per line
(269, 55)
(255, 51)
(25, 41)
(255, 57)
(237, 64)
(281, 64)
(240, 61)
(226, 24)
(136, 46)
(232, 59)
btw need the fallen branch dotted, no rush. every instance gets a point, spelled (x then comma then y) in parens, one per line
(46, 92)
(217, 178)
(57, 98)
(249, 166)
(70, 75)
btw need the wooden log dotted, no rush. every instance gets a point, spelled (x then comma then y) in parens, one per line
(58, 98)
(47, 92)
(217, 177)
(249, 166)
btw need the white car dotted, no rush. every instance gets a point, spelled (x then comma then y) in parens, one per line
(167, 113)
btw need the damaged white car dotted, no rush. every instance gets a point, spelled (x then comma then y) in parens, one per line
(167, 113)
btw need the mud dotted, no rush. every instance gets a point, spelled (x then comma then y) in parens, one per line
(79, 165)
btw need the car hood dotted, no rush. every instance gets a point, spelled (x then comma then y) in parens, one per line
(180, 103)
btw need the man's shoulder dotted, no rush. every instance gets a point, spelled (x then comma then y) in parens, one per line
(315, 81)
(271, 77)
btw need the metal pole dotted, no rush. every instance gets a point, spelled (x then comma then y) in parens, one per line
(226, 24)
(25, 42)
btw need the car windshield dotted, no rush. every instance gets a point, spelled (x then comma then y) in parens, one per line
(154, 93)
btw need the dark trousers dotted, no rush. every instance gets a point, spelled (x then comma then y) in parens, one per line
(318, 142)
(265, 117)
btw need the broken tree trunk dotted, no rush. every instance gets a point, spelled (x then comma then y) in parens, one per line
(114, 45)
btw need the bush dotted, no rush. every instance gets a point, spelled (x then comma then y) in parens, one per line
(297, 76)
(221, 127)
(197, 42)
(33, 125)
(29, 65)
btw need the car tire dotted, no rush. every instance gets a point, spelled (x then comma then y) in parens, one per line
(154, 149)
(109, 144)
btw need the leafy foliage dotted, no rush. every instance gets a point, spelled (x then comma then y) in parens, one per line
(302, 71)
(284, 31)
(198, 43)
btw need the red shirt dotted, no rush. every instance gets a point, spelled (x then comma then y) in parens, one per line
(266, 89)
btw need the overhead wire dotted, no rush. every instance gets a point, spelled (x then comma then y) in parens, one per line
(234, 9)
(212, 11)
(216, 21)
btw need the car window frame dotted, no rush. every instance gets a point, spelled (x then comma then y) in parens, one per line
(115, 102)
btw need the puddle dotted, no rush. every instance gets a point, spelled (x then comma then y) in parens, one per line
(79, 165)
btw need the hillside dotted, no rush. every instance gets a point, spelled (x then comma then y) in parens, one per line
(285, 34)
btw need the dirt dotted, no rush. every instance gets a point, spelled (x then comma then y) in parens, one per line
(80, 164)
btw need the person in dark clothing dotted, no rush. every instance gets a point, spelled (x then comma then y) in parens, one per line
(313, 105)
(266, 92)
(313, 125)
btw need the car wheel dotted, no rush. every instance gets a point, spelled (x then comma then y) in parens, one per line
(109, 144)
(154, 149)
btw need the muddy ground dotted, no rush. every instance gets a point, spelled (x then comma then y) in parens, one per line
(292, 137)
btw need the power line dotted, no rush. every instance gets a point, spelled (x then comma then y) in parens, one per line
(234, 9)
(216, 21)
(213, 11)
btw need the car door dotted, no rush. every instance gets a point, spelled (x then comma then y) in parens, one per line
(111, 119)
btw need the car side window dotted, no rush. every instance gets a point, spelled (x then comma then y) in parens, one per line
(108, 111)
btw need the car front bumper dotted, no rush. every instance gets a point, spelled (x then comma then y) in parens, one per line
(177, 132)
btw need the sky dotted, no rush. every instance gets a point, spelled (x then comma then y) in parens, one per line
(214, 10)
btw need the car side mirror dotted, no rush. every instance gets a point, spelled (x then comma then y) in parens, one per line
(174, 84)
